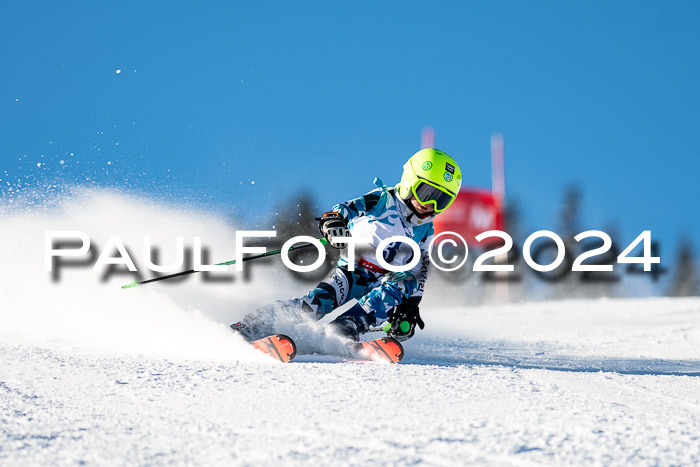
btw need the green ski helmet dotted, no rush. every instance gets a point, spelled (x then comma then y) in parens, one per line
(433, 177)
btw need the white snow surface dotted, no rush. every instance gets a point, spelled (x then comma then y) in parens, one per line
(91, 373)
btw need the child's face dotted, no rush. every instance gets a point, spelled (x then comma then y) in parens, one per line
(421, 209)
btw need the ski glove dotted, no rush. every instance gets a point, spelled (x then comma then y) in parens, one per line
(403, 320)
(331, 224)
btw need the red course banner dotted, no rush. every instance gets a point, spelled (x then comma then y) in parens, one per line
(473, 212)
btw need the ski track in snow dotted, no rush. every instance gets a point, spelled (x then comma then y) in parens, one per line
(79, 408)
(93, 374)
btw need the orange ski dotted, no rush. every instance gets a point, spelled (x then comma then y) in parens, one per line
(278, 346)
(384, 348)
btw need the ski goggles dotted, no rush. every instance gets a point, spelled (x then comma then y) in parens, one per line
(426, 192)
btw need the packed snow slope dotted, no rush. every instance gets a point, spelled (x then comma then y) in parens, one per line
(91, 373)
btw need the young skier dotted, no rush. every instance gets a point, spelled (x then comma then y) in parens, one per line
(430, 183)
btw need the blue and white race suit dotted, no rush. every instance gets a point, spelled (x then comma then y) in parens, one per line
(378, 215)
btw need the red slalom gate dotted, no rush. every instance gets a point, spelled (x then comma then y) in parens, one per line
(473, 212)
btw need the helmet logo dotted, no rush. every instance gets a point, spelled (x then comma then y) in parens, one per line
(427, 165)
(447, 176)
(450, 168)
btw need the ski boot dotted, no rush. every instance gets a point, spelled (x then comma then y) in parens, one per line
(352, 323)
(242, 329)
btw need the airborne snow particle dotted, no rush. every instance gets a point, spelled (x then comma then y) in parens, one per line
(118, 71)
(253, 182)
(38, 164)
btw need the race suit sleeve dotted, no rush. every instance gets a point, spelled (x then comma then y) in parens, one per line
(359, 206)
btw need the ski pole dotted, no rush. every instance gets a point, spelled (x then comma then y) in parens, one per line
(227, 263)
(405, 326)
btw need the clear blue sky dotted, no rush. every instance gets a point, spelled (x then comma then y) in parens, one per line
(327, 95)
